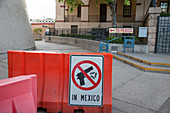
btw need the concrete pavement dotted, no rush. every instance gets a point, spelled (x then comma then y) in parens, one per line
(3, 66)
(60, 48)
(134, 91)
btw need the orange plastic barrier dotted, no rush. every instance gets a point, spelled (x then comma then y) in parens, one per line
(52, 70)
(18, 94)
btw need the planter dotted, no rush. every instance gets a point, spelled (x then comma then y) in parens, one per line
(37, 37)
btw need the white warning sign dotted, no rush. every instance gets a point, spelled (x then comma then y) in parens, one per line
(86, 80)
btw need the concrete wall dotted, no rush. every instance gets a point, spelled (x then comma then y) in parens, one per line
(92, 45)
(137, 48)
(83, 43)
(15, 30)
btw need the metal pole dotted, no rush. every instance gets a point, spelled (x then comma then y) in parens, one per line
(153, 3)
(114, 10)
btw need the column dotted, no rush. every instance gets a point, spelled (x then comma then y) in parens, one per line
(59, 12)
(85, 11)
(109, 13)
(152, 23)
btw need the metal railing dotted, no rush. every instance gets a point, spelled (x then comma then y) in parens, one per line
(87, 31)
(72, 18)
(96, 18)
(121, 18)
(57, 32)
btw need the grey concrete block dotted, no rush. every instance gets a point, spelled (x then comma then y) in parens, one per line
(3, 73)
(15, 30)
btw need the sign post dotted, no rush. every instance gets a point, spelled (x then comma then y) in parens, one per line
(120, 30)
(86, 80)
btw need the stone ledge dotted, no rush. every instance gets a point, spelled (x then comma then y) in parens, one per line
(91, 44)
(155, 10)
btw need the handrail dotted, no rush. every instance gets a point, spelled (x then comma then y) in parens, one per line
(105, 46)
(116, 38)
(111, 40)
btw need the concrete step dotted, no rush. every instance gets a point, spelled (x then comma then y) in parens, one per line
(145, 61)
(140, 65)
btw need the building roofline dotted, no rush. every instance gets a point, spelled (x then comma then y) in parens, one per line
(42, 23)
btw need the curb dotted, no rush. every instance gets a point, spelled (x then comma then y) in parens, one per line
(143, 68)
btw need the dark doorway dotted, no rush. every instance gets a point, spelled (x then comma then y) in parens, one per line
(103, 11)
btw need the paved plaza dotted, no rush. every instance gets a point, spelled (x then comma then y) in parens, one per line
(134, 91)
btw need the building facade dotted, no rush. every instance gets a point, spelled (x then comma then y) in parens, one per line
(140, 13)
(43, 26)
(91, 15)
(42, 21)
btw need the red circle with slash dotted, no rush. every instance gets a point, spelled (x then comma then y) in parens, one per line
(95, 84)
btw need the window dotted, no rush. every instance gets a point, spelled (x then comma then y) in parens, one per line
(164, 6)
(74, 29)
(79, 11)
(103, 12)
(127, 27)
(127, 10)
